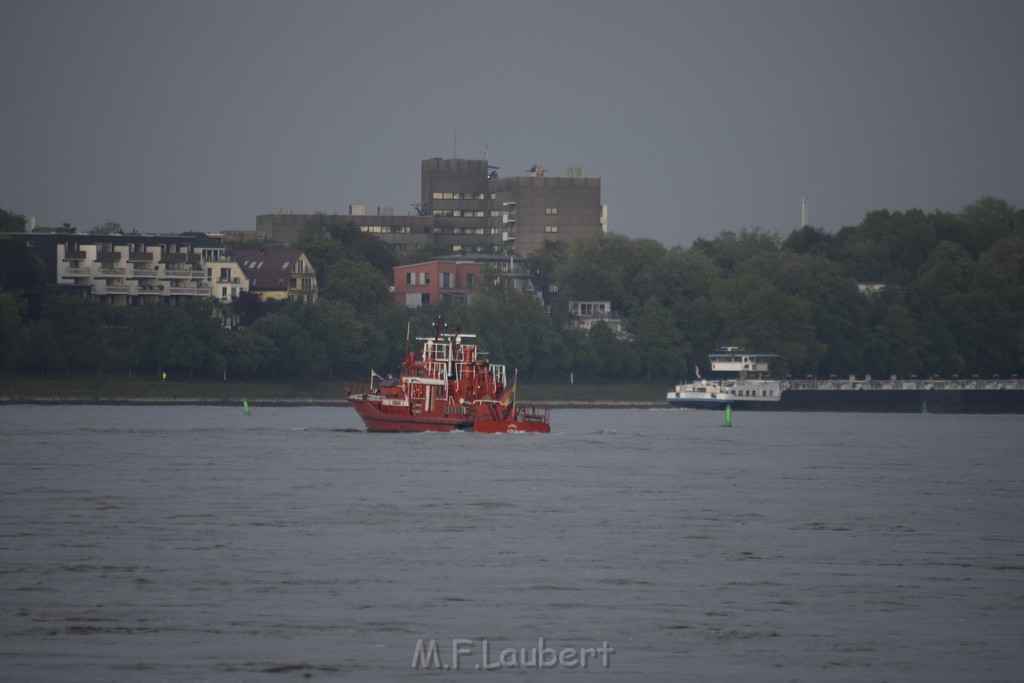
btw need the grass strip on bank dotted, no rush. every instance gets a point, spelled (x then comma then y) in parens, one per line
(107, 388)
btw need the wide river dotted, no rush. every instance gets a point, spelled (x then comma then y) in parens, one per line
(200, 543)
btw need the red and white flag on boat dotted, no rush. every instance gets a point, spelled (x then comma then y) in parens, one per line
(696, 370)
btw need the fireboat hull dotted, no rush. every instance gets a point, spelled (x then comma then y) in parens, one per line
(377, 420)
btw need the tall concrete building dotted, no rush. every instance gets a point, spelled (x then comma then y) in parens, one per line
(464, 204)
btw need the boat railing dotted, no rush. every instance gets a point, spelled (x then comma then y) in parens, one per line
(516, 411)
(912, 384)
(527, 413)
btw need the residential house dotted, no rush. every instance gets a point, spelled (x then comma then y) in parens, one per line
(278, 273)
(583, 315)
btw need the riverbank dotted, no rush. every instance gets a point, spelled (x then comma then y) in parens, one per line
(269, 402)
(16, 390)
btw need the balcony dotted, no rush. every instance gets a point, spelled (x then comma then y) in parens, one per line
(118, 289)
(74, 255)
(179, 272)
(140, 256)
(112, 272)
(188, 291)
(139, 271)
(108, 256)
(80, 272)
(169, 257)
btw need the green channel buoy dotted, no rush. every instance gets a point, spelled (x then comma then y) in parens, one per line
(245, 404)
(728, 415)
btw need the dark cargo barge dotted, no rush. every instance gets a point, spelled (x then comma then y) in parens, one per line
(978, 396)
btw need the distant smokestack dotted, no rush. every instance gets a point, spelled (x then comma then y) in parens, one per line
(803, 215)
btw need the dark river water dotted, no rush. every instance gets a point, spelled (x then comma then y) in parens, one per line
(198, 543)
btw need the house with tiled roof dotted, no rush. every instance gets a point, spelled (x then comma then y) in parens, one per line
(278, 273)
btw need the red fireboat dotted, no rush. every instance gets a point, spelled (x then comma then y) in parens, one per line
(449, 386)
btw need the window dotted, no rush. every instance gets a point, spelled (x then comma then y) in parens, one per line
(469, 280)
(446, 280)
(410, 278)
(425, 298)
(550, 228)
(551, 211)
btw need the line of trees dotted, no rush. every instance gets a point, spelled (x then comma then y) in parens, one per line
(951, 301)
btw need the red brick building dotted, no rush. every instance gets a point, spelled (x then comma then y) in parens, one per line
(433, 281)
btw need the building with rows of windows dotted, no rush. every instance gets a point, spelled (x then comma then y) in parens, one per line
(130, 270)
(465, 205)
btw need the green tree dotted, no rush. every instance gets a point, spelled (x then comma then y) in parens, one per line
(760, 317)
(356, 283)
(23, 274)
(985, 222)
(358, 244)
(12, 222)
(896, 345)
(248, 353)
(546, 261)
(68, 336)
(108, 228)
(837, 310)
(586, 362)
(729, 250)
(248, 307)
(810, 240)
(167, 339)
(595, 270)
(682, 274)
(699, 324)
(13, 331)
(887, 246)
(949, 269)
(513, 327)
(337, 335)
(658, 344)
(294, 355)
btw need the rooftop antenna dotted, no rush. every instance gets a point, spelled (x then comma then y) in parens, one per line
(455, 144)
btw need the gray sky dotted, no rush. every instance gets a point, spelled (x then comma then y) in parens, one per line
(698, 116)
